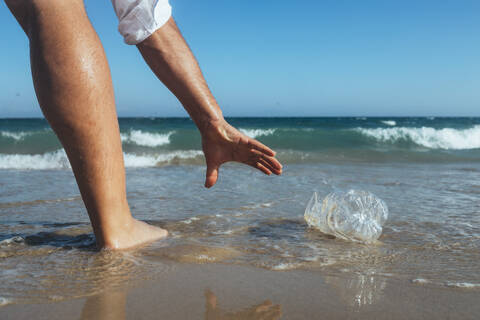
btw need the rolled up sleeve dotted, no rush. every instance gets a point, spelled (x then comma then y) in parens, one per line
(138, 19)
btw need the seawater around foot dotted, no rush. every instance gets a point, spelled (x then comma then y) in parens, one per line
(140, 233)
(47, 248)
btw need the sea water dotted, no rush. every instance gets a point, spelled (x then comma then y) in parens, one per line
(427, 170)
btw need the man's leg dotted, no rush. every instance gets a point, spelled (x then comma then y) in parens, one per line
(74, 89)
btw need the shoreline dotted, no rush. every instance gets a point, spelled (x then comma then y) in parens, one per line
(218, 291)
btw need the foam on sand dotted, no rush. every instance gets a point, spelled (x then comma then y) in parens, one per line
(13, 240)
(5, 301)
(420, 281)
(286, 266)
(446, 138)
(463, 285)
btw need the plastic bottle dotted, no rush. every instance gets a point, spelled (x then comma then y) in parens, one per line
(354, 215)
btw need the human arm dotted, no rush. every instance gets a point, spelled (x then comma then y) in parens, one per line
(172, 61)
(149, 25)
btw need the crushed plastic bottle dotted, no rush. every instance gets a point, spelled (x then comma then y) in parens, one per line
(354, 215)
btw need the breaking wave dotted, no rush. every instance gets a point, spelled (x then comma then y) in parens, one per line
(389, 122)
(188, 156)
(446, 138)
(50, 160)
(146, 139)
(58, 160)
(17, 136)
(253, 133)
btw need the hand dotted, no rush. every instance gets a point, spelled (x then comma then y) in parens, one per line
(222, 143)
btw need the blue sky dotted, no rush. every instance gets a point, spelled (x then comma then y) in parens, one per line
(291, 58)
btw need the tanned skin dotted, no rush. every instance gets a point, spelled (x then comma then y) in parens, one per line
(74, 89)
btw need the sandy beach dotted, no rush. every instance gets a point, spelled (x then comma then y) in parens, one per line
(215, 291)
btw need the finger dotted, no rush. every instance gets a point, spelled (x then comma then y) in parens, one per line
(261, 167)
(256, 145)
(271, 160)
(270, 167)
(212, 175)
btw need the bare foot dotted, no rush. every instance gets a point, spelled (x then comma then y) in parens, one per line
(137, 233)
(223, 143)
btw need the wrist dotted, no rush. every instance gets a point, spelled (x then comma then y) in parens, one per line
(206, 124)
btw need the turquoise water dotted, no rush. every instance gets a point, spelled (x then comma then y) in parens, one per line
(147, 142)
(427, 170)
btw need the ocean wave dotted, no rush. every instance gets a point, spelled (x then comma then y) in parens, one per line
(58, 160)
(146, 139)
(17, 136)
(51, 160)
(254, 133)
(389, 122)
(446, 138)
(132, 160)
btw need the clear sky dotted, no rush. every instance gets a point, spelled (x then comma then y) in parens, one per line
(290, 58)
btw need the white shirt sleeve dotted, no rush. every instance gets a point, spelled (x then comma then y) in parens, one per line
(138, 19)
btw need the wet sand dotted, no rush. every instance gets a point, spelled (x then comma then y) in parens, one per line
(216, 291)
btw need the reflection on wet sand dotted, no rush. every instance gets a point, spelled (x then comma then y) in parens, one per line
(358, 290)
(111, 305)
(266, 310)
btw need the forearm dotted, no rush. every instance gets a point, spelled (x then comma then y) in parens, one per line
(172, 61)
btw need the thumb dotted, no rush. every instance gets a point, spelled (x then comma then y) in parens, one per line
(212, 175)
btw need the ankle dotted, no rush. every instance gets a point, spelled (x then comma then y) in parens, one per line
(135, 234)
(112, 237)
(110, 233)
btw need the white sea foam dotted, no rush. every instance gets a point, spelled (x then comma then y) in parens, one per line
(286, 266)
(420, 281)
(146, 139)
(50, 160)
(58, 160)
(253, 133)
(465, 285)
(16, 239)
(17, 136)
(5, 301)
(446, 138)
(389, 122)
(133, 160)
